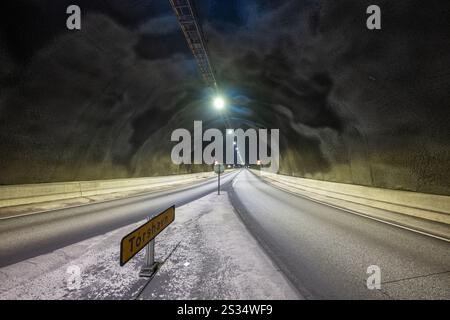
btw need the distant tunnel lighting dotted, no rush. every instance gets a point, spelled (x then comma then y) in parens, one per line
(230, 131)
(219, 103)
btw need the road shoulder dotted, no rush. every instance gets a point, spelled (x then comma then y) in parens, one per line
(214, 258)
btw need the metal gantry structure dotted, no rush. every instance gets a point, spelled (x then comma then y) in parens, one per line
(188, 20)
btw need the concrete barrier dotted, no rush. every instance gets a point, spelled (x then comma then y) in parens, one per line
(43, 192)
(430, 207)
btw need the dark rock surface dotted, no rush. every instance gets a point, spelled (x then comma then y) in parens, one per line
(352, 105)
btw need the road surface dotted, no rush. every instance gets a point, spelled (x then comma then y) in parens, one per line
(28, 236)
(325, 252)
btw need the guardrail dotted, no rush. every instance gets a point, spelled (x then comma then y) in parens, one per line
(430, 207)
(15, 195)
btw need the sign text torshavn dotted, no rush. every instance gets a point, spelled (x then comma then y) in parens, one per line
(139, 238)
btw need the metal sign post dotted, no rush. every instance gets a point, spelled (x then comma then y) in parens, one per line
(150, 266)
(144, 237)
(218, 185)
(218, 169)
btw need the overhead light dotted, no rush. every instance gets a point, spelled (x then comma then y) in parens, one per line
(219, 103)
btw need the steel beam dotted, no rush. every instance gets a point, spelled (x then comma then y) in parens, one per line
(187, 18)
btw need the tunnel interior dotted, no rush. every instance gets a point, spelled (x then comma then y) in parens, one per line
(352, 105)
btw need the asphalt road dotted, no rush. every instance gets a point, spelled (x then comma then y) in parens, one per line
(325, 252)
(29, 236)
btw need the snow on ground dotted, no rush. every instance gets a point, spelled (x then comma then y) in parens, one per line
(209, 254)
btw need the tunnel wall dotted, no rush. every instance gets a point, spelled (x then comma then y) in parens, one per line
(352, 105)
(44, 192)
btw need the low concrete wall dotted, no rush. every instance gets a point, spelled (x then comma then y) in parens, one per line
(420, 205)
(34, 193)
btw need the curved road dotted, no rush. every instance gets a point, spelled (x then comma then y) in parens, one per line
(325, 252)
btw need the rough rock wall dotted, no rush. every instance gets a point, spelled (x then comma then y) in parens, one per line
(352, 105)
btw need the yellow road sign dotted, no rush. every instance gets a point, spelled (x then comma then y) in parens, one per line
(139, 238)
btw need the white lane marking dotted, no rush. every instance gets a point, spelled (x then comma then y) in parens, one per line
(386, 222)
(362, 214)
(236, 178)
(149, 193)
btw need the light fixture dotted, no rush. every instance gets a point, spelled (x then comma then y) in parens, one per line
(219, 103)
